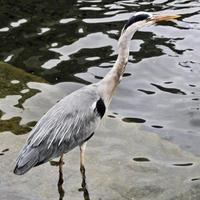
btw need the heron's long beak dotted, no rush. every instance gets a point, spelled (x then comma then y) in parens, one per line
(158, 18)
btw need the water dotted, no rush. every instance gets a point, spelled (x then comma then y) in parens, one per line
(77, 42)
(62, 46)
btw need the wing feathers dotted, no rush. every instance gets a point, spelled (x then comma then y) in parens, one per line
(27, 161)
(67, 124)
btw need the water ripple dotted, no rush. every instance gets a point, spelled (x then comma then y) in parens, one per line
(79, 44)
(133, 120)
(170, 90)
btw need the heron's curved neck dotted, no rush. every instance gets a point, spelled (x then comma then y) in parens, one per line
(111, 80)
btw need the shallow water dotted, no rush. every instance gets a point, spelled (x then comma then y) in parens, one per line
(56, 47)
(77, 42)
(131, 164)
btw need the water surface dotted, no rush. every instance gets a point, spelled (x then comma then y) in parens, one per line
(77, 42)
(56, 47)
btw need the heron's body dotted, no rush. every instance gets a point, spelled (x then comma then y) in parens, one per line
(66, 125)
(73, 120)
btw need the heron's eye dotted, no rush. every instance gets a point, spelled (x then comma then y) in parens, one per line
(149, 18)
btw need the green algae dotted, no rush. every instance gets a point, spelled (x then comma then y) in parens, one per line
(8, 73)
(14, 126)
(12, 81)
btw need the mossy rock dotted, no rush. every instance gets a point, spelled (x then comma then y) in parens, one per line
(14, 126)
(12, 82)
(9, 73)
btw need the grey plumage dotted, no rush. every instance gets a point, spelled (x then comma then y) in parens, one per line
(66, 125)
(74, 119)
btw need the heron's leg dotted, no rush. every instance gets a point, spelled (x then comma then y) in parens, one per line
(60, 164)
(82, 170)
(82, 158)
(61, 180)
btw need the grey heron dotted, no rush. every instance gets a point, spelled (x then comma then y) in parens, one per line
(72, 121)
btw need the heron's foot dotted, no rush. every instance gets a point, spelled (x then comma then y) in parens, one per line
(84, 189)
(86, 194)
(84, 184)
(56, 163)
(80, 189)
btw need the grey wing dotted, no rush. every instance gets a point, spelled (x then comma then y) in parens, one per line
(66, 125)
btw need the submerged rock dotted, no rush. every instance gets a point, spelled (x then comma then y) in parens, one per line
(14, 80)
(110, 169)
(13, 83)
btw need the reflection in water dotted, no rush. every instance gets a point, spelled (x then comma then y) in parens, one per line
(61, 190)
(84, 185)
(195, 179)
(59, 164)
(156, 126)
(170, 90)
(133, 120)
(183, 164)
(61, 179)
(63, 43)
(111, 116)
(126, 74)
(146, 91)
(168, 82)
(191, 85)
(186, 64)
(141, 159)
(4, 151)
(159, 54)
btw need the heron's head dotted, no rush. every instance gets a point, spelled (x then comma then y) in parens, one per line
(141, 19)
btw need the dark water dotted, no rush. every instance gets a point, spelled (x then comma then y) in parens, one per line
(76, 41)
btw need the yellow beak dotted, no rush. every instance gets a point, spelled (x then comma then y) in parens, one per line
(158, 18)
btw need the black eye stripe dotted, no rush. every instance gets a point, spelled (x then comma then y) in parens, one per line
(135, 19)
